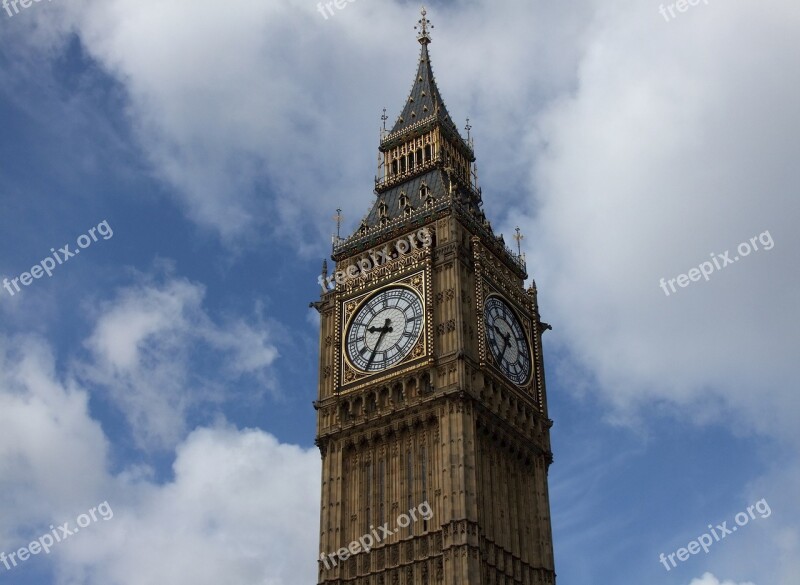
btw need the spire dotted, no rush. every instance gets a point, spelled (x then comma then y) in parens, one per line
(425, 170)
(424, 101)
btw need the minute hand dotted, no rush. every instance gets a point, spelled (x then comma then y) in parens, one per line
(506, 340)
(384, 330)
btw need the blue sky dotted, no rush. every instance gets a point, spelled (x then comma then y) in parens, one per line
(169, 369)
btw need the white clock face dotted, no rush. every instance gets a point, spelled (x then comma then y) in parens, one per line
(385, 329)
(506, 340)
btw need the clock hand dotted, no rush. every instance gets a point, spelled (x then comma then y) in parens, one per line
(385, 329)
(507, 338)
(382, 329)
(506, 344)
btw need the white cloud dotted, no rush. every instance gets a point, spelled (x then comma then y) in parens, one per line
(677, 143)
(241, 508)
(709, 579)
(143, 355)
(52, 454)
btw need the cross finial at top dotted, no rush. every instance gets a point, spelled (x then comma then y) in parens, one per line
(423, 36)
(519, 237)
(337, 239)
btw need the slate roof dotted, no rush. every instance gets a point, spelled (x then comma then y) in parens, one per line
(424, 100)
(433, 179)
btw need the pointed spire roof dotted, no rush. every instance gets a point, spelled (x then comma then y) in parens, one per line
(433, 182)
(424, 100)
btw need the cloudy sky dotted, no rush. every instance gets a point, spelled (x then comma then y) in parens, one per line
(198, 150)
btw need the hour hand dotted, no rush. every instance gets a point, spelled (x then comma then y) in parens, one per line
(385, 329)
(507, 339)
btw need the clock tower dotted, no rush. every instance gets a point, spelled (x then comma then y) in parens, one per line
(432, 414)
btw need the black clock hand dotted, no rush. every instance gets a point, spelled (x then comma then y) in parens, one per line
(385, 329)
(507, 339)
(382, 329)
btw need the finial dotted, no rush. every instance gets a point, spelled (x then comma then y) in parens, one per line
(468, 128)
(519, 237)
(384, 118)
(338, 218)
(337, 238)
(423, 36)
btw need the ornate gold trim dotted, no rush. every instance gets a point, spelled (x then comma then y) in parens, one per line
(526, 327)
(348, 374)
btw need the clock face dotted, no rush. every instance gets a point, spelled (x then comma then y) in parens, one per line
(385, 329)
(506, 340)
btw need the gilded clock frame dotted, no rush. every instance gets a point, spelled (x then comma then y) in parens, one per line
(349, 377)
(526, 332)
(492, 277)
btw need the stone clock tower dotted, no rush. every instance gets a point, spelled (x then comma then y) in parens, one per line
(432, 415)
